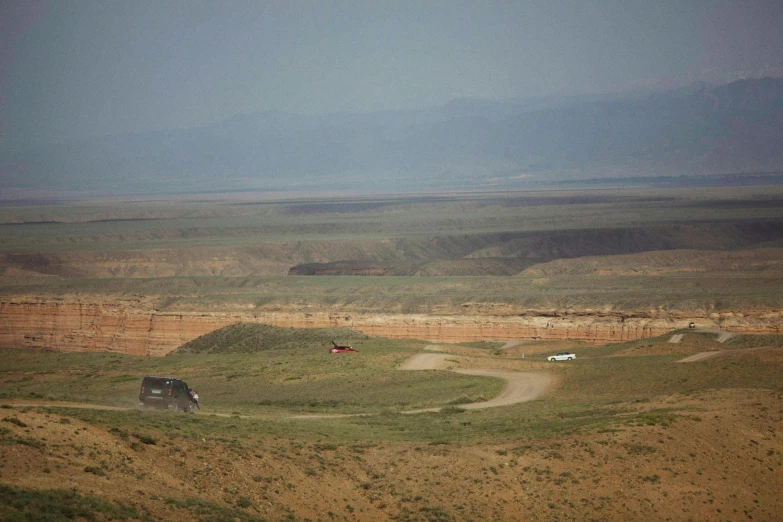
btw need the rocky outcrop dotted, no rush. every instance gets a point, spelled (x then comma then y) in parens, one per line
(134, 326)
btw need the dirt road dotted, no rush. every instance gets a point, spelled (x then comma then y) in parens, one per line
(427, 361)
(699, 356)
(520, 386)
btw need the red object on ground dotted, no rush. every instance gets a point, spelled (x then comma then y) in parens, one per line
(341, 349)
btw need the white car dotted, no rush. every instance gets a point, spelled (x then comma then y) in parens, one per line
(562, 356)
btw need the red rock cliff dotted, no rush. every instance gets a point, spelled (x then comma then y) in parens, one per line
(132, 326)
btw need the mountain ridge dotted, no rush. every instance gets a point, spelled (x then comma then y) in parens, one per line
(465, 144)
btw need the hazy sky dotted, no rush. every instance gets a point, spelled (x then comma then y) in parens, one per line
(76, 68)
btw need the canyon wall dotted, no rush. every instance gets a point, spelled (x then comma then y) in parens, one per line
(133, 326)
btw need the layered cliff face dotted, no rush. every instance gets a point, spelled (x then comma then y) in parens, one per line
(133, 326)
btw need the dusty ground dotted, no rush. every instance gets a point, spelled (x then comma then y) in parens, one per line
(719, 459)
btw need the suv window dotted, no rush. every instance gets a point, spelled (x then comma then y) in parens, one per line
(154, 383)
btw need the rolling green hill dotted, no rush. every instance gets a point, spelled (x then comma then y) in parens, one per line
(250, 338)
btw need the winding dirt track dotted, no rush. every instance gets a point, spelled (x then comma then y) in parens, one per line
(520, 386)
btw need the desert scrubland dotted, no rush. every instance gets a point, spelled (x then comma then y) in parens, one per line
(146, 276)
(241, 296)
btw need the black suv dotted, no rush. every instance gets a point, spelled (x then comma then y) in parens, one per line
(165, 392)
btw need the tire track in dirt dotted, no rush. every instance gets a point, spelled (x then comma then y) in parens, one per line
(699, 357)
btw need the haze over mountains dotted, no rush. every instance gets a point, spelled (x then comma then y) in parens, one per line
(732, 129)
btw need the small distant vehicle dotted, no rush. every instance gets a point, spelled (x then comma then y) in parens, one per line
(165, 393)
(341, 349)
(562, 356)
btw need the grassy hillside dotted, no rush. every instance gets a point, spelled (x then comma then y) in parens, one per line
(251, 338)
(290, 370)
(293, 431)
(288, 431)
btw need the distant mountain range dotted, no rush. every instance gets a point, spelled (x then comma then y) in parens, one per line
(727, 130)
